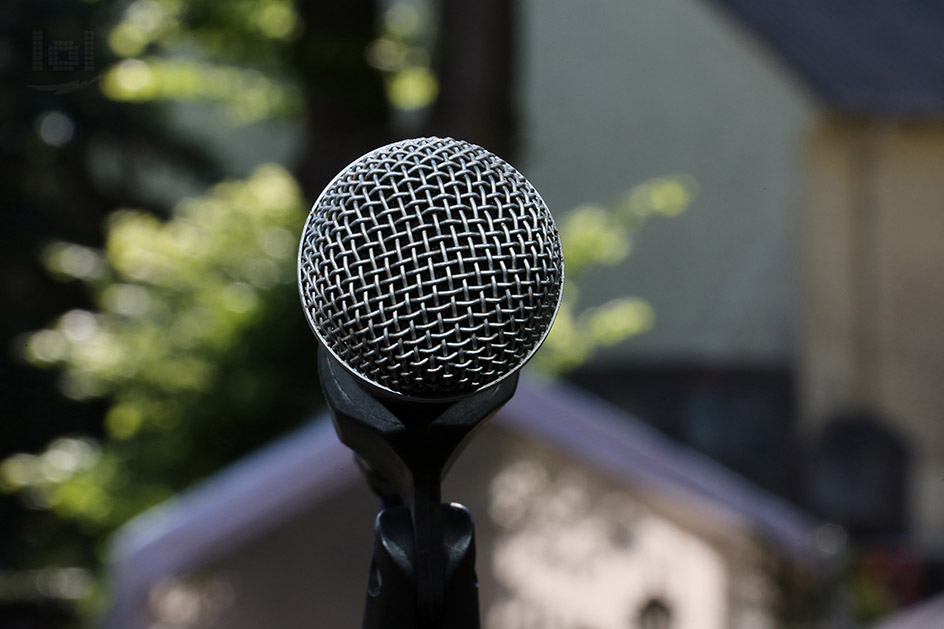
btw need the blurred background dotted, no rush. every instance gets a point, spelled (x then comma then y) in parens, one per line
(750, 199)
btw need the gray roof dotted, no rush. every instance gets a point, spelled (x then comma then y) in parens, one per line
(925, 615)
(244, 501)
(883, 57)
(281, 480)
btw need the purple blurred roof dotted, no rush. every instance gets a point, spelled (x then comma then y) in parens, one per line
(925, 615)
(883, 57)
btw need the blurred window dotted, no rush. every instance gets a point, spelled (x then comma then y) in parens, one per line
(860, 475)
(655, 614)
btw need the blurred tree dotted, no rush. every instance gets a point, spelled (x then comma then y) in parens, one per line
(475, 64)
(68, 155)
(184, 342)
(91, 91)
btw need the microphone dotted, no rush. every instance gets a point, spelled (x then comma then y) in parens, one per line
(430, 271)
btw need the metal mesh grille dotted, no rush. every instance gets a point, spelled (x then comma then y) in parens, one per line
(430, 268)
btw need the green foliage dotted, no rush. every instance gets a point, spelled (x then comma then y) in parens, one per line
(178, 351)
(593, 236)
(401, 52)
(231, 54)
(245, 95)
(177, 303)
(207, 52)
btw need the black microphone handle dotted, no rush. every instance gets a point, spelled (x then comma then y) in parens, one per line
(426, 513)
(411, 445)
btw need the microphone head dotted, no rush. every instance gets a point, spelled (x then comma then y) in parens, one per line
(431, 269)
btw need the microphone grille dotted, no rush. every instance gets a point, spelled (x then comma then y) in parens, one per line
(430, 268)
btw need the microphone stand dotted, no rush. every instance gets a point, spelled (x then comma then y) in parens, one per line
(423, 569)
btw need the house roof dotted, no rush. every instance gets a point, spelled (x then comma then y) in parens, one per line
(882, 57)
(927, 614)
(283, 479)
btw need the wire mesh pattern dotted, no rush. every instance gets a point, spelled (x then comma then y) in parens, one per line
(430, 268)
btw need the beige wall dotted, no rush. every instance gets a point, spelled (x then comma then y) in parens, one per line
(562, 545)
(871, 305)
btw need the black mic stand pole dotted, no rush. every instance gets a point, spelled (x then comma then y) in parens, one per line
(423, 570)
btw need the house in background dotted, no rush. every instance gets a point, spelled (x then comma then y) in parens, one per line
(800, 307)
(584, 518)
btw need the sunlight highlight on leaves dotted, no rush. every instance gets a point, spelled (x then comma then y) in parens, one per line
(401, 52)
(246, 95)
(174, 299)
(594, 236)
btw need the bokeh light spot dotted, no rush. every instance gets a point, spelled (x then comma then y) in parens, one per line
(56, 128)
